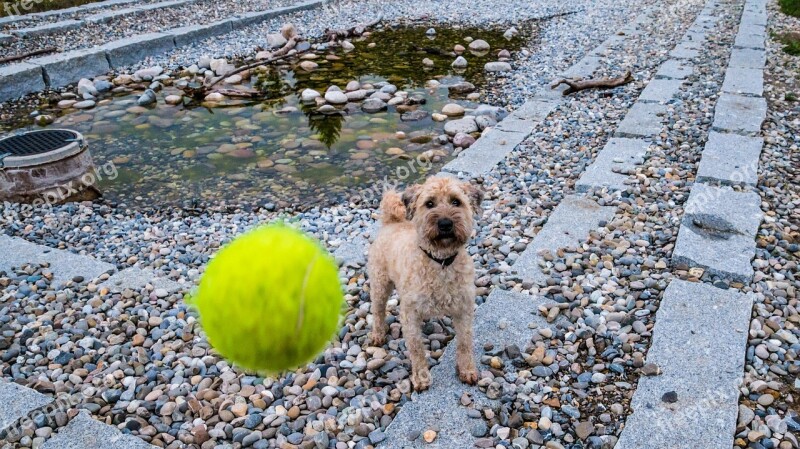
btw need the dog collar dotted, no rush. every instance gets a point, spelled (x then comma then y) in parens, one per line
(443, 262)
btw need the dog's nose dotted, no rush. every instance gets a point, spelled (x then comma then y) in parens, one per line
(445, 225)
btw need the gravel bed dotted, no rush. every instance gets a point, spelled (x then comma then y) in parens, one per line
(768, 407)
(90, 34)
(144, 366)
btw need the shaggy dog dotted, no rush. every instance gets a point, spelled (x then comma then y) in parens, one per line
(420, 251)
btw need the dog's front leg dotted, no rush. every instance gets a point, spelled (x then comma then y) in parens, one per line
(412, 331)
(465, 360)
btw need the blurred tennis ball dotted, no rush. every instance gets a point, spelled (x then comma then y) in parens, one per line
(271, 299)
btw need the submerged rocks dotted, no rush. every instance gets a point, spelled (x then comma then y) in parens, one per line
(335, 97)
(309, 95)
(479, 45)
(373, 105)
(465, 125)
(412, 116)
(308, 66)
(147, 98)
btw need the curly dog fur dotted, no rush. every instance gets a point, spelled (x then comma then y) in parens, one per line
(420, 251)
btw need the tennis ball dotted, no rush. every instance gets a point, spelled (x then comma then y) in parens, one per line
(270, 300)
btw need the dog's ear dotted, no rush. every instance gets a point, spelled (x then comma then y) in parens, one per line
(410, 196)
(475, 195)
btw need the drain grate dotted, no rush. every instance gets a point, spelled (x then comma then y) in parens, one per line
(37, 142)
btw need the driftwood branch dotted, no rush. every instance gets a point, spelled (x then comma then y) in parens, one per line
(358, 30)
(599, 83)
(28, 54)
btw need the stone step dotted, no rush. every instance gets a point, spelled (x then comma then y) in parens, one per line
(569, 223)
(718, 230)
(17, 401)
(48, 28)
(699, 341)
(64, 264)
(5, 38)
(83, 432)
(642, 120)
(613, 165)
(135, 278)
(502, 320)
(739, 114)
(730, 159)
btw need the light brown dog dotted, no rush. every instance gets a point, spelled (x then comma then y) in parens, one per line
(420, 251)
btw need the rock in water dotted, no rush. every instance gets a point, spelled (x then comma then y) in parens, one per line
(308, 65)
(479, 45)
(335, 97)
(465, 125)
(453, 110)
(147, 98)
(85, 86)
(459, 63)
(308, 95)
(373, 105)
(431, 32)
(347, 46)
(497, 66)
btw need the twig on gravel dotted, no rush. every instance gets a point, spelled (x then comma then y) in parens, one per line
(28, 54)
(600, 83)
(358, 30)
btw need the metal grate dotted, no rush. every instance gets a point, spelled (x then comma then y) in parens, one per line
(37, 142)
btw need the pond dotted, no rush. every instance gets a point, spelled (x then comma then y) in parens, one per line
(278, 149)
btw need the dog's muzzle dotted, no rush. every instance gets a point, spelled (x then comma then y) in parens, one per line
(445, 226)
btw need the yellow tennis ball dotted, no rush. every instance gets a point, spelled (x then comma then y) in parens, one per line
(271, 299)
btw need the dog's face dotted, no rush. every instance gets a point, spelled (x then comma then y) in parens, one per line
(442, 210)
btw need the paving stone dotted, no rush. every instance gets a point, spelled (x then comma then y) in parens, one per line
(5, 38)
(48, 28)
(730, 159)
(617, 158)
(83, 432)
(754, 18)
(20, 79)
(722, 210)
(684, 51)
(108, 16)
(608, 45)
(748, 40)
(135, 278)
(17, 402)
(699, 343)
(64, 264)
(728, 256)
(524, 118)
(675, 69)
(254, 17)
(133, 49)
(568, 224)
(661, 90)
(485, 153)
(747, 58)
(736, 113)
(642, 120)
(167, 4)
(66, 68)
(744, 81)
(502, 320)
(195, 33)
(584, 68)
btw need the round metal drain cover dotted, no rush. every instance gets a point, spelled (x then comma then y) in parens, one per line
(39, 147)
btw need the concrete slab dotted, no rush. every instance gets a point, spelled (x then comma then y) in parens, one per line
(133, 49)
(730, 159)
(20, 79)
(64, 264)
(642, 120)
(525, 118)
(754, 18)
(722, 210)
(661, 90)
(699, 342)
(747, 58)
(746, 40)
(675, 69)
(744, 81)
(684, 51)
(739, 114)
(83, 432)
(136, 278)
(611, 168)
(195, 33)
(502, 320)
(568, 224)
(66, 68)
(17, 402)
(584, 68)
(726, 255)
(48, 28)
(485, 153)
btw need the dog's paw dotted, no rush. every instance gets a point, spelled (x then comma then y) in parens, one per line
(421, 380)
(377, 338)
(468, 376)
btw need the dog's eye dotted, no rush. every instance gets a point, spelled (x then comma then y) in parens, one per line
(429, 204)
(455, 202)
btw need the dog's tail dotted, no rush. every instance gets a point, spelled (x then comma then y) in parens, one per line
(392, 208)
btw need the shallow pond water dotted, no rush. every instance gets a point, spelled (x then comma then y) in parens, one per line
(277, 149)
